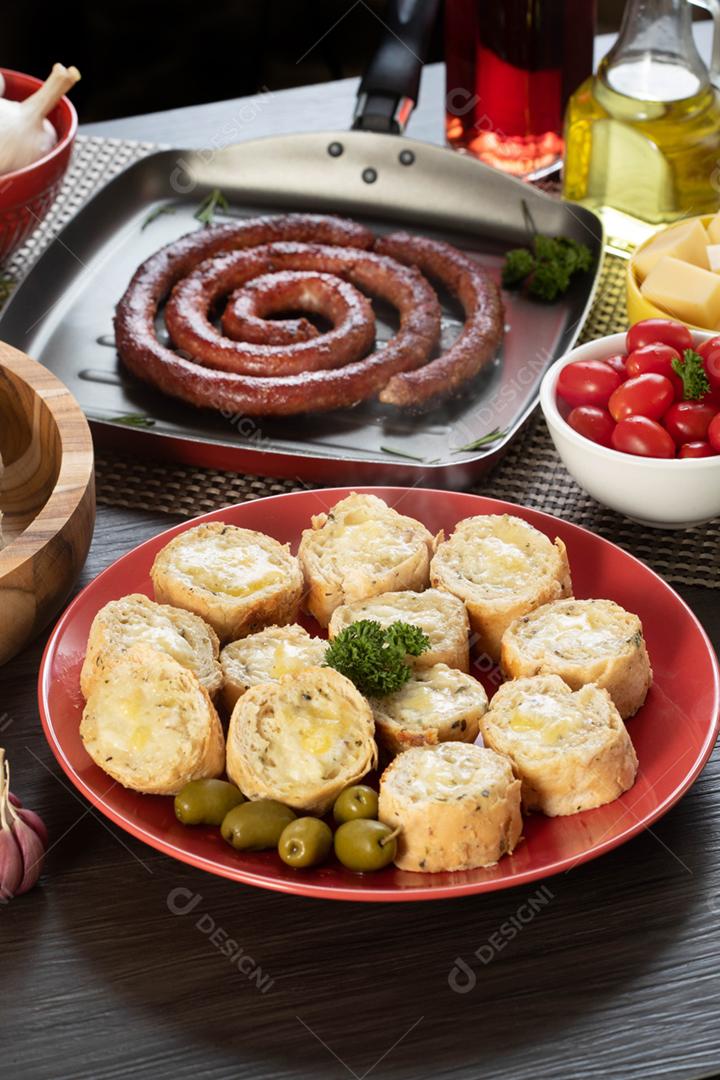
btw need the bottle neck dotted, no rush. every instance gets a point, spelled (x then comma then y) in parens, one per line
(655, 57)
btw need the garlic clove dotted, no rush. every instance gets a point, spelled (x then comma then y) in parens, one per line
(46, 97)
(35, 822)
(32, 851)
(23, 840)
(11, 865)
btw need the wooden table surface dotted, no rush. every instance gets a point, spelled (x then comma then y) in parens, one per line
(114, 967)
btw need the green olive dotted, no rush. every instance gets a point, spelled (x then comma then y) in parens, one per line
(358, 801)
(365, 845)
(305, 842)
(206, 802)
(254, 826)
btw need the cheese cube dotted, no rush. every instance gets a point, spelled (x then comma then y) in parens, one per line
(684, 291)
(713, 229)
(713, 254)
(687, 242)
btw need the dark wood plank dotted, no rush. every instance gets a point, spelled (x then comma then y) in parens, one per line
(614, 977)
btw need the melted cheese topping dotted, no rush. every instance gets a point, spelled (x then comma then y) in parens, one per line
(372, 542)
(448, 772)
(546, 721)
(364, 535)
(493, 560)
(140, 718)
(542, 721)
(430, 610)
(433, 696)
(164, 637)
(575, 632)
(218, 563)
(288, 659)
(267, 656)
(313, 737)
(498, 555)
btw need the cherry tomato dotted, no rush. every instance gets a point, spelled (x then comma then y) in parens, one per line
(697, 449)
(644, 437)
(593, 422)
(707, 346)
(688, 421)
(617, 363)
(713, 433)
(650, 331)
(657, 358)
(587, 382)
(648, 395)
(711, 363)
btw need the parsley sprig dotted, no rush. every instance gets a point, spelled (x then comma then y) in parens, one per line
(546, 272)
(692, 372)
(545, 268)
(375, 657)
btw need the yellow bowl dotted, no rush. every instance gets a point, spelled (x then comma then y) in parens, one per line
(638, 307)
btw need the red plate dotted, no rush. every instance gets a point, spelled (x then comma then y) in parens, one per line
(673, 733)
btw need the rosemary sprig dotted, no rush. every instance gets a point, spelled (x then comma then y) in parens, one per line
(404, 454)
(213, 203)
(484, 440)
(156, 213)
(134, 420)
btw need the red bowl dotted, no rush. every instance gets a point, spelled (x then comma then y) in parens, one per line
(27, 194)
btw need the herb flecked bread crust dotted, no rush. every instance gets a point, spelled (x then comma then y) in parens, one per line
(150, 725)
(301, 740)
(570, 749)
(457, 804)
(582, 641)
(501, 568)
(137, 620)
(438, 614)
(238, 580)
(361, 548)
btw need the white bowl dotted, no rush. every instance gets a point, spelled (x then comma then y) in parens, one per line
(667, 494)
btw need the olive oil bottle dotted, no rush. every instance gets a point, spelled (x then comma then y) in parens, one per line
(642, 136)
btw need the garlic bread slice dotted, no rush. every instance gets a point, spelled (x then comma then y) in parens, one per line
(267, 656)
(582, 641)
(360, 548)
(301, 740)
(457, 805)
(500, 567)
(570, 748)
(135, 620)
(150, 725)
(437, 704)
(439, 615)
(238, 580)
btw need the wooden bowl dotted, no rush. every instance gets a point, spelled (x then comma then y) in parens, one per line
(47, 495)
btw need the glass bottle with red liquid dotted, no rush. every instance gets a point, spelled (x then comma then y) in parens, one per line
(511, 67)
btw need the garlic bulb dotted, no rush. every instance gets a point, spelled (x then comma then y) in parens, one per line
(25, 134)
(23, 840)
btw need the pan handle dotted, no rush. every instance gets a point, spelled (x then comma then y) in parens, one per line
(390, 87)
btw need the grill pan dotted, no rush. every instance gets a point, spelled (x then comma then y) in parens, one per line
(62, 312)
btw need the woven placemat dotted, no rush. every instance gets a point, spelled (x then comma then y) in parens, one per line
(531, 473)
